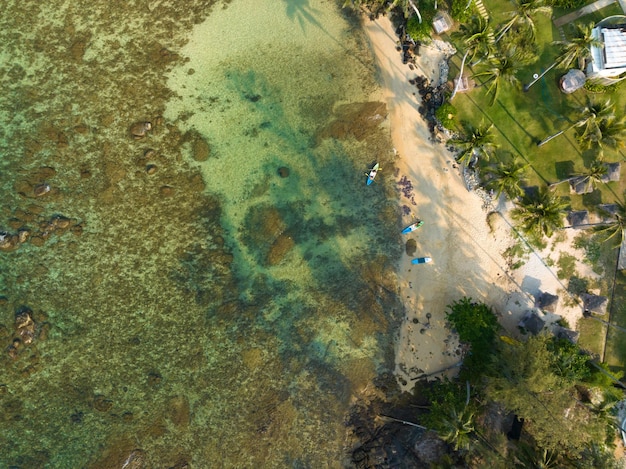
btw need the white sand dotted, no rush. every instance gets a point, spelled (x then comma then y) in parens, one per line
(467, 256)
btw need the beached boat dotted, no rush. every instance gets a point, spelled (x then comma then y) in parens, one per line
(421, 260)
(412, 227)
(372, 173)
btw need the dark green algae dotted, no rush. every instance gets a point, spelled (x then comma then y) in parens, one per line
(155, 345)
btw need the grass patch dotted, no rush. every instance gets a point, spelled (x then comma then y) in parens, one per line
(591, 335)
(516, 255)
(566, 266)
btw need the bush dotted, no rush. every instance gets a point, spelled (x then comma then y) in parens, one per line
(422, 31)
(595, 87)
(476, 325)
(446, 114)
(459, 11)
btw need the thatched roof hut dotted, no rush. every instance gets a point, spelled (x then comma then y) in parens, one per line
(595, 303)
(580, 185)
(612, 172)
(578, 218)
(607, 212)
(533, 322)
(564, 333)
(547, 302)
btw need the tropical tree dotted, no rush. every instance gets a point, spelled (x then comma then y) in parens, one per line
(589, 118)
(540, 213)
(591, 177)
(457, 428)
(609, 132)
(477, 36)
(523, 379)
(523, 14)
(617, 227)
(507, 178)
(502, 69)
(577, 49)
(474, 143)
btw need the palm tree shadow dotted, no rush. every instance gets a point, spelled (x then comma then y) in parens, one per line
(302, 12)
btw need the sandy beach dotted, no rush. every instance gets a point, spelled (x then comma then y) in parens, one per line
(466, 250)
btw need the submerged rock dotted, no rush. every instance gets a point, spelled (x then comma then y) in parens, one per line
(355, 120)
(25, 325)
(410, 247)
(140, 129)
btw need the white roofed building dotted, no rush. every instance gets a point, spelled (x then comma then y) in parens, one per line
(608, 61)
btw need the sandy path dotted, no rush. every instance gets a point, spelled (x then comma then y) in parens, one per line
(466, 255)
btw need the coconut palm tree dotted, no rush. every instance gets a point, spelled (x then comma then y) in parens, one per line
(578, 49)
(502, 69)
(609, 132)
(523, 14)
(589, 118)
(618, 226)
(590, 177)
(474, 143)
(477, 36)
(507, 178)
(540, 213)
(457, 428)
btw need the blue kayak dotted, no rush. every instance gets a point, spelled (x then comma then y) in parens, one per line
(412, 227)
(421, 260)
(372, 174)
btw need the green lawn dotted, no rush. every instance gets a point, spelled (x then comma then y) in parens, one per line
(522, 119)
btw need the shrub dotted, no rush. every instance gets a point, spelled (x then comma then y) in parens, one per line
(422, 31)
(446, 114)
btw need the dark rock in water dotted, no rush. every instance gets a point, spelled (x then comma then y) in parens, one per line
(411, 247)
(140, 129)
(179, 412)
(279, 249)
(102, 404)
(200, 149)
(41, 189)
(283, 172)
(166, 191)
(25, 325)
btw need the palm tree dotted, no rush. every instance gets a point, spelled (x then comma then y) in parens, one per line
(591, 176)
(590, 117)
(608, 132)
(406, 6)
(577, 49)
(617, 226)
(457, 428)
(523, 14)
(507, 178)
(540, 213)
(474, 143)
(503, 69)
(477, 36)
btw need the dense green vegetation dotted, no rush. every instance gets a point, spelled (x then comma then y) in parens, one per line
(566, 400)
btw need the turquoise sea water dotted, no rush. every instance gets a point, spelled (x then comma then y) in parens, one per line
(215, 292)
